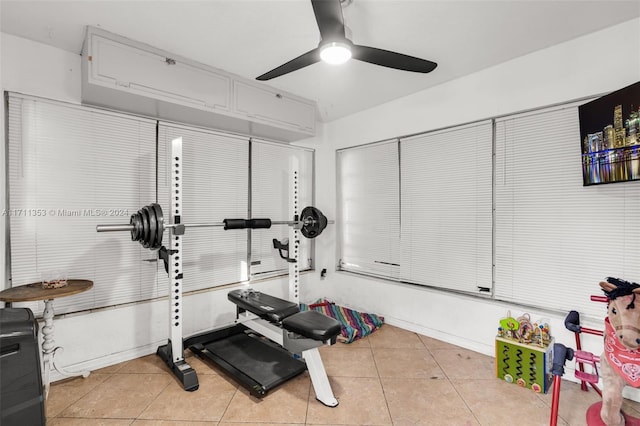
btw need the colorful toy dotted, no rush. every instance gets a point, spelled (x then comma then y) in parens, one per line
(508, 327)
(619, 362)
(524, 331)
(524, 352)
(528, 366)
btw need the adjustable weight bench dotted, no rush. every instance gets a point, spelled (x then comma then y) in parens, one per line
(261, 365)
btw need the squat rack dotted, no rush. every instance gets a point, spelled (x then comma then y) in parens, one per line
(147, 226)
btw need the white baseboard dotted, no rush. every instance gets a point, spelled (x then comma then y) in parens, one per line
(486, 349)
(108, 360)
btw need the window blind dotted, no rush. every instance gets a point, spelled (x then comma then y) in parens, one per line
(215, 187)
(71, 168)
(446, 187)
(555, 239)
(368, 209)
(271, 193)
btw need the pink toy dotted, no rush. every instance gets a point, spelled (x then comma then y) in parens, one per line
(619, 362)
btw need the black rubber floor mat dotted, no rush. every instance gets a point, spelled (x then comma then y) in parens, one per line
(260, 361)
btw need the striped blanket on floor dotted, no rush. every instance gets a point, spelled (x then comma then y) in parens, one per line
(354, 325)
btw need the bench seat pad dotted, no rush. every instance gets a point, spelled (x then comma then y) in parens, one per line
(312, 324)
(267, 307)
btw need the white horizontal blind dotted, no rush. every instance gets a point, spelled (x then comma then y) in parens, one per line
(555, 239)
(369, 210)
(446, 187)
(215, 170)
(271, 193)
(70, 169)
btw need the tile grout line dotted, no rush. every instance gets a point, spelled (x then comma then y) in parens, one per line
(448, 379)
(59, 415)
(464, 401)
(226, 408)
(130, 419)
(170, 383)
(384, 394)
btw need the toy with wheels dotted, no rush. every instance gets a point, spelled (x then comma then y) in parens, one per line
(619, 362)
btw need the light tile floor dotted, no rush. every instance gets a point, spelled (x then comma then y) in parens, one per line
(393, 377)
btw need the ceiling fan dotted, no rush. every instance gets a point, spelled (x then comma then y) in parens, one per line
(336, 48)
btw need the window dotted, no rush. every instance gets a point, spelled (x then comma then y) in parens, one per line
(71, 168)
(446, 208)
(215, 187)
(556, 239)
(419, 209)
(272, 167)
(523, 217)
(368, 209)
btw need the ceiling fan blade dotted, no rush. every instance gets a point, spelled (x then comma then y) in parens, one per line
(329, 18)
(306, 59)
(390, 59)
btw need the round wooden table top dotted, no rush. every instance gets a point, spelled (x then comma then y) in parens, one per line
(34, 291)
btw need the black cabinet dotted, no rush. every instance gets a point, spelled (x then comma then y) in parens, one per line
(21, 396)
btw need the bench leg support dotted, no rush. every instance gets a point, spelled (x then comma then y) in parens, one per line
(319, 378)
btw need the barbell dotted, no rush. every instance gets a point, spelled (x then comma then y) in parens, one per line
(147, 225)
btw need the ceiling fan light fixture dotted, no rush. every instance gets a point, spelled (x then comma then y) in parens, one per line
(335, 53)
(335, 46)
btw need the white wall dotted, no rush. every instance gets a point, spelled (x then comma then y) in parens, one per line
(590, 65)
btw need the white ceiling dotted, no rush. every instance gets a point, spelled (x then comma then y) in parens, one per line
(249, 38)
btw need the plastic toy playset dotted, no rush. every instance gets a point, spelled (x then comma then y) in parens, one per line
(524, 352)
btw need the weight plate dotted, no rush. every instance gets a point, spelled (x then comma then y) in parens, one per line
(160, 224)
(323, 221)
(136, 231)
(313, 222)
(145, 228)
(308, 220)
(153, 224)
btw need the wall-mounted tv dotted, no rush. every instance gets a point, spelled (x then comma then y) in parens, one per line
(610, 137)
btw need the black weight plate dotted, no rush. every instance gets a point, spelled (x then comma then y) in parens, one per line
(310, 218)
(145, 228)
(136, 231)
(153, 224)
(323, 221)
(160, 224)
